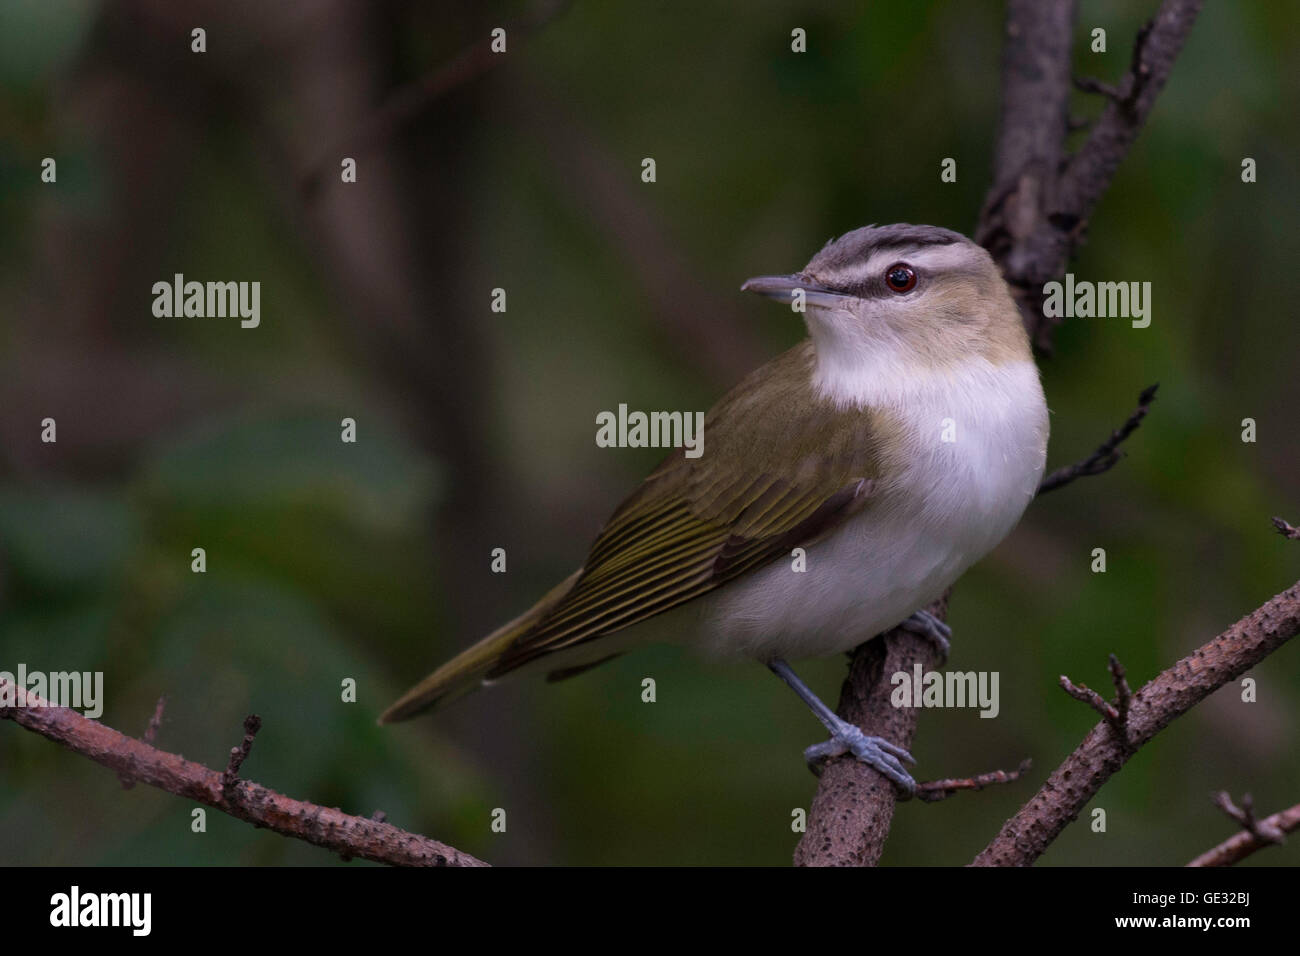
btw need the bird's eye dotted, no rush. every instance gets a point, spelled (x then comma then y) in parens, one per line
(900, 277)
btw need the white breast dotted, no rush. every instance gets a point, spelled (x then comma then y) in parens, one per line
(976, 443)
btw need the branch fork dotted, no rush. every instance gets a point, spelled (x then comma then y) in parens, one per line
(1116, 714)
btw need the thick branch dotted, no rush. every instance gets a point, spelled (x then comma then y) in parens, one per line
(1014, 224)
(854, 805)
(850, 816)
(1027, 835)
(250, 802)
(1037, 210)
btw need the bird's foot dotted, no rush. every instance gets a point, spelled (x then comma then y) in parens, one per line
(876, 752)
(932, 629)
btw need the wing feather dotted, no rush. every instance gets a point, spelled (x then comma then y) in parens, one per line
(696, 524)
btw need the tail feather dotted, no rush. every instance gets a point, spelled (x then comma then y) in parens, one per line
(465, 672)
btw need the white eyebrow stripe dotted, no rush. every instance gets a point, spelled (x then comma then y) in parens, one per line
(928, 258)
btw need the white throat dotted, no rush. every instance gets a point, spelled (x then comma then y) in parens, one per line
(872, 370)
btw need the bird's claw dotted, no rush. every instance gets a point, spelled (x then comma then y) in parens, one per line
(876, 752)
(932, 629)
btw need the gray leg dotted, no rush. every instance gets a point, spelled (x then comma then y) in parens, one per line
(875, 752)
(932, 629)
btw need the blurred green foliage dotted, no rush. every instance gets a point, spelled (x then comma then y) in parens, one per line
(321, 558)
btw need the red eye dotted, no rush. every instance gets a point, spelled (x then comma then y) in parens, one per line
(900, 278)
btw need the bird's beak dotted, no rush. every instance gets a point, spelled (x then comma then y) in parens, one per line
(782, 288)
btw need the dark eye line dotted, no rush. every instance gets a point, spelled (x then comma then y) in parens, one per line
(876, 286)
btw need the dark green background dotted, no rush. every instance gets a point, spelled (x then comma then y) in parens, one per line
(371, 561)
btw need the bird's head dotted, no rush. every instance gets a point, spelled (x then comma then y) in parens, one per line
(901, 299)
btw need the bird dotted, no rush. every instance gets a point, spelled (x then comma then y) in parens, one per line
(842, 488)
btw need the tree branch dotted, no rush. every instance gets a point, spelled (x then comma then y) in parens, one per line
(851, 813)
(1286, 530)
(1025, 837)
(1037, 210)
(241, 799)
(1107, 453)
(1092, 168)
(1014, 224)
(150, 733)
(230, 779)
(1266, 832)
(935, 790)
(1116, 714)
(1245, 815)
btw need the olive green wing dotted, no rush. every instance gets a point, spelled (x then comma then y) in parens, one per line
(779, 469)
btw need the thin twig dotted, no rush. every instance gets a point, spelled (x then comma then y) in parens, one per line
(230, 779)
(935, 790)
(1085, 694)
(155, 722)
(1243, 843)
(1286, 529)
(1116, 714)
(1088, 84)
(1245, 815)
(1107, 453)
(150, 733)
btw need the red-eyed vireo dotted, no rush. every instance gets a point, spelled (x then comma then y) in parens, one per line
(896, 446)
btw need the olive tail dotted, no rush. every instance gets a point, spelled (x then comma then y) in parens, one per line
(465, 672)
